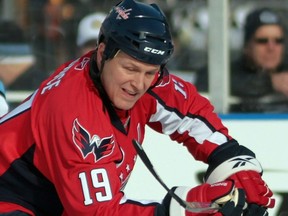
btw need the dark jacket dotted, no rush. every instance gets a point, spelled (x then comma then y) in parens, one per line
(251, 85)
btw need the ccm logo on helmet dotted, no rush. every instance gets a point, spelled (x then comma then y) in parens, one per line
(154, 51)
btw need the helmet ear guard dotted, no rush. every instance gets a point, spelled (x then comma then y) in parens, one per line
(110, 49)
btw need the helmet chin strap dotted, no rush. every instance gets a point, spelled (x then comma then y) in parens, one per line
(160, 77)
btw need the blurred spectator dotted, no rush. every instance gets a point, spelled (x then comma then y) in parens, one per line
(258, 77)
(88, 30)
(15, 53)
(19, 69)
(189, 32)
(3, 103)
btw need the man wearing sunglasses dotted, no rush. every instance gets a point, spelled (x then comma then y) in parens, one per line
(258, 77)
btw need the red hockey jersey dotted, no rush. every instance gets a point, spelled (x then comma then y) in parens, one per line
(62, 154)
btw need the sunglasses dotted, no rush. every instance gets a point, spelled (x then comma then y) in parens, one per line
(266, 40)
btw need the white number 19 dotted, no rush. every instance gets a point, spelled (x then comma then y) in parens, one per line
(99, 179)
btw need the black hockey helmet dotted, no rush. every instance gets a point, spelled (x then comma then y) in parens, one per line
(140, 30)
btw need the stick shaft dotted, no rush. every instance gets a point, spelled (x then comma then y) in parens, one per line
(196, 207)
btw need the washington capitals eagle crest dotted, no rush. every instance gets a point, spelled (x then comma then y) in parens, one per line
(99, 147)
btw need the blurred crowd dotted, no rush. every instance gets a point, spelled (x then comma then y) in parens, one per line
(36, 36)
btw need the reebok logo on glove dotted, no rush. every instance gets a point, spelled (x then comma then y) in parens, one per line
(224, 184)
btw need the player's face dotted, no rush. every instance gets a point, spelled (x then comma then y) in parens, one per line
(126, 79)
(267, 46)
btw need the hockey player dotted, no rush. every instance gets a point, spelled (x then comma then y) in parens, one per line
(67, 149)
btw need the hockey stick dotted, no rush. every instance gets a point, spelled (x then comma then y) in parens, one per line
(197, 207)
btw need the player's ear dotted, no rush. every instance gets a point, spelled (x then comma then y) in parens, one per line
(100, 52)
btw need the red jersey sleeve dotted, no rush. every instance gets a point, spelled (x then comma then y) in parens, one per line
(178, 110)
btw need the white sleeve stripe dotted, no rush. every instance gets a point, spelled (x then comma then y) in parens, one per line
(195, 127)
(21, 108)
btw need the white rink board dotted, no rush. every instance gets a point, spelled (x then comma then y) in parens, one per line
(267, 138)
